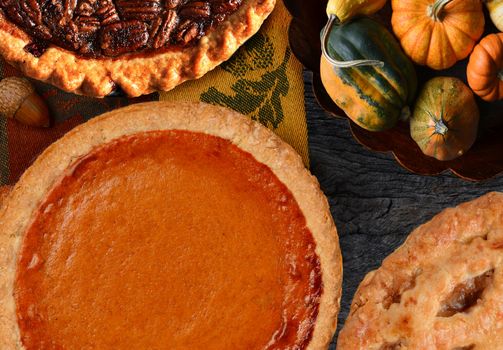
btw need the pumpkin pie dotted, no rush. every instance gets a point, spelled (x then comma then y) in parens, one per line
(96, 47)
(163, 226)
(443, 289)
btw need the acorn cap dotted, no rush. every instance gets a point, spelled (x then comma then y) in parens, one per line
(18, 100)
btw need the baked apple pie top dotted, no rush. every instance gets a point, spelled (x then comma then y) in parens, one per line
(97, 28)
(441, 290)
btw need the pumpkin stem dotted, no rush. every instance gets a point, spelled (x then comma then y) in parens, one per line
(333, 20)
(436, 9)
(500, 75)
(440, 127)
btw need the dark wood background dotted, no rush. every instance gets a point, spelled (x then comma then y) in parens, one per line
(375, 202)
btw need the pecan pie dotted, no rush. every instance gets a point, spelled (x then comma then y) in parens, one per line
(443, 289)
(168, 227)
(95, 47)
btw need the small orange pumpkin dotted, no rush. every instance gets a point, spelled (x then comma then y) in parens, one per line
(446, 119)
(438, 33)
(485, 69)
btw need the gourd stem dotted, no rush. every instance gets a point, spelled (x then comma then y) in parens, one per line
(435, 10)
(332, 20)
(440, 127)
(500, 75)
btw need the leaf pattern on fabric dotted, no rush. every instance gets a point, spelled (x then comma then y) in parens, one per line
(260, 99)
(258, 53)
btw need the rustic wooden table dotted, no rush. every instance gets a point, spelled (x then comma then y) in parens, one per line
(375, 202)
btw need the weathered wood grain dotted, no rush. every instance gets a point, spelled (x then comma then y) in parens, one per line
(374, 201)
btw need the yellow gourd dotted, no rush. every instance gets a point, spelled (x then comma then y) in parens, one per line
(347, 9)
(495, 8)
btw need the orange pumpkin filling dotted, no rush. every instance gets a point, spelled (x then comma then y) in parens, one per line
(168, 240)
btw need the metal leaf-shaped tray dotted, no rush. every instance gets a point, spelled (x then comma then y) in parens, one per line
(483, 161)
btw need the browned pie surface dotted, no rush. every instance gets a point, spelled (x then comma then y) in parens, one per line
(168, 239)
(442, 290)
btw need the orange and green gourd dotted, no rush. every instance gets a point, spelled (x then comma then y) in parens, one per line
(445, 120)
(367, 74)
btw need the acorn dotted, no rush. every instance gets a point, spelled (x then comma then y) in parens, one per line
(19, 101)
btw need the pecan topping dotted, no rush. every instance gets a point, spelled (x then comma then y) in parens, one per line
(196, 9)
(121, 37)
(187, 31)
(97, 28)
(141, 10)
(225, 6)
(107, 13)
(166, 27)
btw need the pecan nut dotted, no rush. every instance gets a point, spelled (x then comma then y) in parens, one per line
(107, 13)
(196, 9)
(187, 32)
(139, 9)
(166, 29)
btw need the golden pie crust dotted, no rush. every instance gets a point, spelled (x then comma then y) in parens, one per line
(4, 192)
(443, 289)
(31, 190)
(134, 74)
